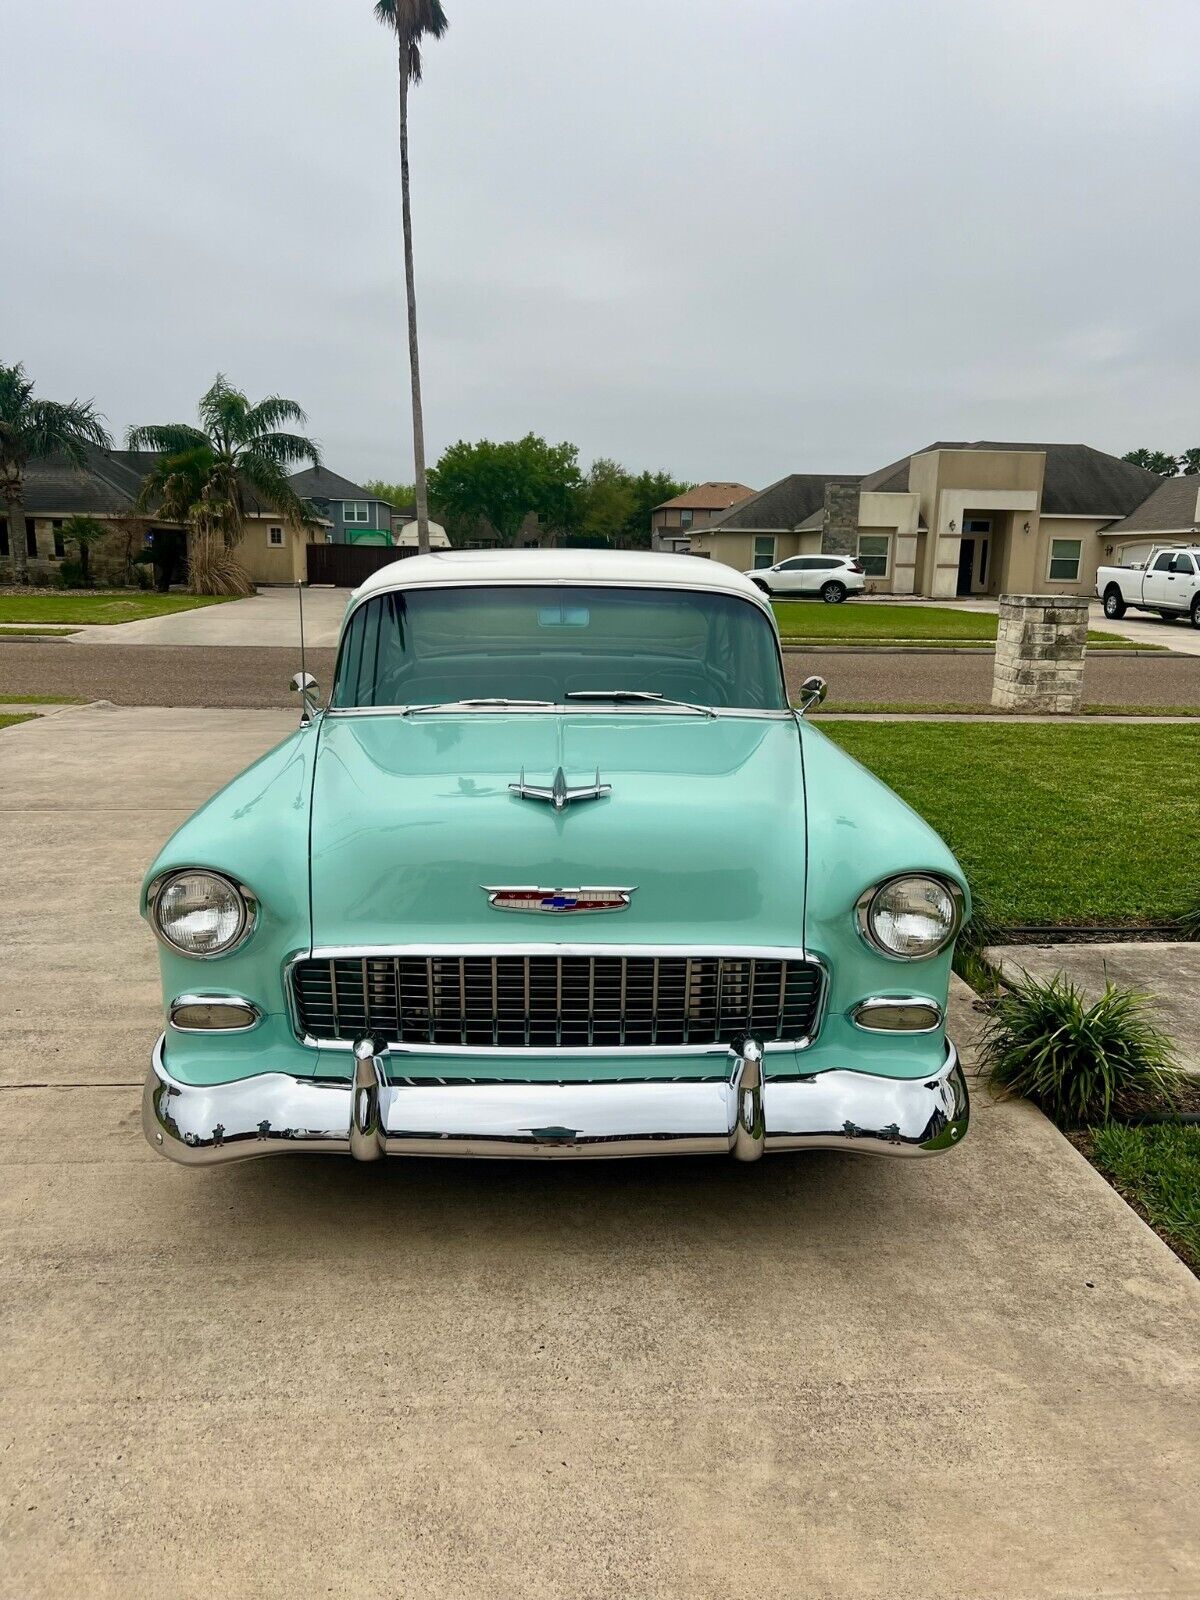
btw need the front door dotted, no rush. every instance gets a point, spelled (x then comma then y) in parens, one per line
(966, 565)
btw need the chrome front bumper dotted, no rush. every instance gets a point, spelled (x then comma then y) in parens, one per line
(744, 1115)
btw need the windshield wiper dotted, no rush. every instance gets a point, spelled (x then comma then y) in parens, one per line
(498, 702)
(649, 696)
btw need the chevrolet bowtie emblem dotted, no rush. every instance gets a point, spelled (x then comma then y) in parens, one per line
(558, 793)
(520, 898)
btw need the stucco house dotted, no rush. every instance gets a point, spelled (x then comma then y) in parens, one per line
(672, 522)
(952, 519)
(1170, 516)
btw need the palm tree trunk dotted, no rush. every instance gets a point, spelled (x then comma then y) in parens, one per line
(14, 498)
(414, 360)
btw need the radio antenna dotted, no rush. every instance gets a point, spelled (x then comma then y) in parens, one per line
(300, 603)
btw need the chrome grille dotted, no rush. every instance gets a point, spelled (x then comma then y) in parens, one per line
(548, 1001)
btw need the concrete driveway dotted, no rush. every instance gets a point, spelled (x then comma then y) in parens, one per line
(1139, 627)
(268, 618)
(824, 1376)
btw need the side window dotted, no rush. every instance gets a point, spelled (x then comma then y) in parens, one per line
(1164, 562)
(275, 536)
(796, 564)
(1183, 564)
(764, 550)
(1064, 559)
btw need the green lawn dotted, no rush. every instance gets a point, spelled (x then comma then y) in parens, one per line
(9, 722)
(1157, 1169)
(40, 700)
(1052, 823)
(21, 631)
(876, 707)
(856, 624)
(117, 605)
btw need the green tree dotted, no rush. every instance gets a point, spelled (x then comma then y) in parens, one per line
(1153, 460)
(607, 501)
(31, 430)
(83, 532)
(411, 21)
(237, 446)
(396, 494)
(650, 489)
(503, 483)
(1189, 462)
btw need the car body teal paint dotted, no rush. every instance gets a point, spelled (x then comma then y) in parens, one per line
(384, 829)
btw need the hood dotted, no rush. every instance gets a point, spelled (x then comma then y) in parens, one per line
(413, 816)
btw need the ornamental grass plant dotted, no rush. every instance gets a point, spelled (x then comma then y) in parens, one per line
(1081, 1063)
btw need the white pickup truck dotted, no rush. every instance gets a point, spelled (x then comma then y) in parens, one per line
(1169, 583)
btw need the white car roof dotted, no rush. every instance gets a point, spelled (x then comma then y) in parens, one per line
(651, 569)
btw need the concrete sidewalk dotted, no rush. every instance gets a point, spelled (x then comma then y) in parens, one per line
(827, 1376)
(270, 617)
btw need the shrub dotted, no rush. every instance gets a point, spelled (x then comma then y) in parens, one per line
(71, 575)
(1189, 923)
(974, 937)
(1079, 1062)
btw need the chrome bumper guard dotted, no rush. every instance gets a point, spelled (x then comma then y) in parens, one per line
(744, 1115)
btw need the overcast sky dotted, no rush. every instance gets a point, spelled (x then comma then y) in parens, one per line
(731, 238)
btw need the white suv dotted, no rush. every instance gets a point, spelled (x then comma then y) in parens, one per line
(831, 577)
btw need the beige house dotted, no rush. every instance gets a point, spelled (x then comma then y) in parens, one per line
(672, 522)
(106, 487)
(953, 519)
(1170, 516)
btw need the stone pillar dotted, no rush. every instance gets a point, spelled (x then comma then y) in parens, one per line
(839, 524)
(1039, 652)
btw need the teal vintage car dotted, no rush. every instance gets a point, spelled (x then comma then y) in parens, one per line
(557, 871)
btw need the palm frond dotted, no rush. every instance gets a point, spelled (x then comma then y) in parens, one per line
(169, 438)
(411, 21)
(16, 391)
(270, 483)
(286, 449)
(175, 483)
(63, 427)
(271, 414)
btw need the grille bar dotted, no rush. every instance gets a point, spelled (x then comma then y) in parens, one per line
(572, 1002)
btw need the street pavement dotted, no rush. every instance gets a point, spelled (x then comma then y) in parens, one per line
(969, 1377)
(257, 676)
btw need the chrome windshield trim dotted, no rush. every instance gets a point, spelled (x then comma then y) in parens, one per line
(456, 708)
(585, 1052)
(759, 601)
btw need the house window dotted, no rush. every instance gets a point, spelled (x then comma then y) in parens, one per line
(30, 538)
(873, 549)
(3, 536)
(685, 519)
(275, 536)
(56, 528)
(356, 511)
(764, 550)
(1064, 560)
(977, 524)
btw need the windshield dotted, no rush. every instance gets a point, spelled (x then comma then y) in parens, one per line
(542, 643)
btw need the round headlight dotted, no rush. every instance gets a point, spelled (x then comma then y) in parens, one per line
(910, 917)
(200, 913)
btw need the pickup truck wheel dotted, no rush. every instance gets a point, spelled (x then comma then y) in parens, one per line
(833, 593)
(1114, 603)
(1196, 612)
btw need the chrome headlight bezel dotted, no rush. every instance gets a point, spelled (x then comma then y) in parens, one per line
(864, 908)
(247, 921)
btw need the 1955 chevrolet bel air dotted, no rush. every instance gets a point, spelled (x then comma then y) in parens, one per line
(558, 871)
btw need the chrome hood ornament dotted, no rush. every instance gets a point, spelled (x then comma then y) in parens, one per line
(558, 793)
(520, 898)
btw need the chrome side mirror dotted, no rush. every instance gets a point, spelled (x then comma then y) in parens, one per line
(812, 692)
(305, 685)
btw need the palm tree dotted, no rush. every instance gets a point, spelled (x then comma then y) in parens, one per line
(205, 471)
(31, 430)
(411, 21)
